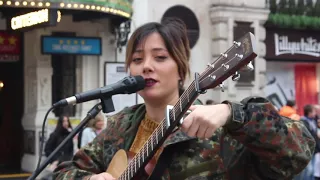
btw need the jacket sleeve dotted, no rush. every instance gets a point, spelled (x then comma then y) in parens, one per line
(283, 147)
(86, 162)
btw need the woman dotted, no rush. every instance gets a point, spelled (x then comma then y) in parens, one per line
(62, 130)
(224, 141)
(95, 126)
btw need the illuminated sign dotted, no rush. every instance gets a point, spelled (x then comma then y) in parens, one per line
(71, 45)
(121, 8)
(44, 17)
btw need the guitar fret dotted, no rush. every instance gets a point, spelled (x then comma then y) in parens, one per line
(127, 175)
(151, 142)
(174, 117)
(143, 152)
(130, 170)
(147, 148)
(139, 159)
(135, 165)
(180, 105)
(157, 137)
(162, 131)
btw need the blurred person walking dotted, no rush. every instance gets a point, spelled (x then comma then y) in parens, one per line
(95, 126)
(290, 110)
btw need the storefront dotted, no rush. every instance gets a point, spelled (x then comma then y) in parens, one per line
(293, 58)
(65, 45)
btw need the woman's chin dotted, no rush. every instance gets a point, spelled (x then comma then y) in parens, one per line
(150, 95)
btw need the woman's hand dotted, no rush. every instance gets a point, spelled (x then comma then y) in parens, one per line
(102, 176)
(204, 120)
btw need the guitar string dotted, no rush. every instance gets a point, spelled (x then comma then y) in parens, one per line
(162, 124)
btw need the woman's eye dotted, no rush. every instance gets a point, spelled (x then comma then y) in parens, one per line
(136, 59)
(161, 57)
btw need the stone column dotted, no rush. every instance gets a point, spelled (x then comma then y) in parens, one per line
(37, 81)
(223, 16)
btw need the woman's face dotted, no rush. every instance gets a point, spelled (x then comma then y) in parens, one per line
(151, 60)
(65, 123)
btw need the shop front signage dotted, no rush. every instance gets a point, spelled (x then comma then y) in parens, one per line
(41, 18)
(10, 46)
(292, 45)
(71, 45)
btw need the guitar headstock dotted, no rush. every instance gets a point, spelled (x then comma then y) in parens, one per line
(241, 53)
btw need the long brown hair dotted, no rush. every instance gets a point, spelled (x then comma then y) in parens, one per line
(174, 34)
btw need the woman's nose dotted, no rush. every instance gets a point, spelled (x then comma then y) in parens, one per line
(148, 65)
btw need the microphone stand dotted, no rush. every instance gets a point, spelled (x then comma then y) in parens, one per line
(106, 105)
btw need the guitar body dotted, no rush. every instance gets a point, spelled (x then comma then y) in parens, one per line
(120, 161)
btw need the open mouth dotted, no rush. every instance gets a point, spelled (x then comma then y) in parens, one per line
(150, 82)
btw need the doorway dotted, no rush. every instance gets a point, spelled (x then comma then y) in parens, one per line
(11, 112)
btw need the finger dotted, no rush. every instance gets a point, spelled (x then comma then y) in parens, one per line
(193, 107)
(209, 132)
(187, 122)
(107, 176)
(201, 132)
(193, 129)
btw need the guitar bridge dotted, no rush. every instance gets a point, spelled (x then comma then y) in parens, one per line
(168, 120)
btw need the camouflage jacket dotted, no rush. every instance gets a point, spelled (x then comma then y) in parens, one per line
(266, 146)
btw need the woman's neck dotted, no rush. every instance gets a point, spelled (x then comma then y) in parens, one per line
(156, 111)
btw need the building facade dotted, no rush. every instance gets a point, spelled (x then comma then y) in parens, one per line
(293, 53)
(63, 50)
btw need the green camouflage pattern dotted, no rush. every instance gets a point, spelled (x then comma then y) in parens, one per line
(268, 146)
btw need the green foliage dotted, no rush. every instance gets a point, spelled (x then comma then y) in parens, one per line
(294, 21)
(289, 14)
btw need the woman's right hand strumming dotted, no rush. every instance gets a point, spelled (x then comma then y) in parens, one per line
(102, 176)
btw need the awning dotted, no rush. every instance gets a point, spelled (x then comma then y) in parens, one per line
(121, 8)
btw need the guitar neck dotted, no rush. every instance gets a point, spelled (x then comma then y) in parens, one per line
(161, 133)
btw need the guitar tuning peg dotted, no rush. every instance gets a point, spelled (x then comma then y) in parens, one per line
(221, 87)
(236, 76)
(250, 66)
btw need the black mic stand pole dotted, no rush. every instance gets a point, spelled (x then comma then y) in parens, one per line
(106, 105)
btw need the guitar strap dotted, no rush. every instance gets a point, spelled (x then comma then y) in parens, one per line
(163, 163)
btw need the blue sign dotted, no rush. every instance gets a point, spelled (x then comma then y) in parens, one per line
(71, 45)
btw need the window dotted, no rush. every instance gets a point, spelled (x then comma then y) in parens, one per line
(189, 18)
(63, 79)
(241, 28)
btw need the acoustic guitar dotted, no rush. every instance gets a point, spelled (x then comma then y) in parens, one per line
(126, 165)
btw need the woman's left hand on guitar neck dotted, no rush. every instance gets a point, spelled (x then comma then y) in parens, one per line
(203, 121)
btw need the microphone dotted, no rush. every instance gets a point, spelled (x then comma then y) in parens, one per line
(127, 85)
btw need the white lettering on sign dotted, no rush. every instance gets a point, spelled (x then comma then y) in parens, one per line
(307, 46)
(31, 19)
